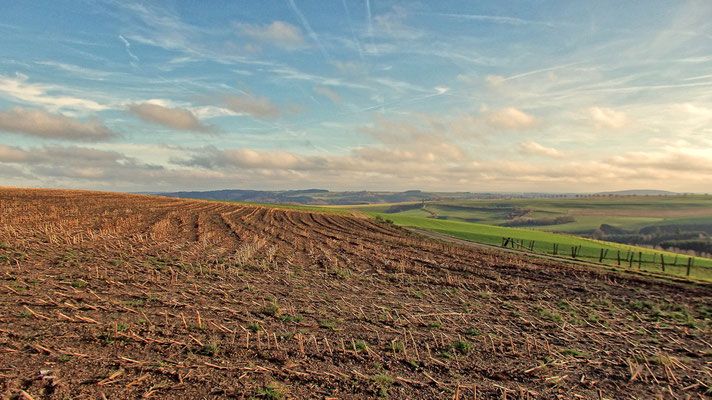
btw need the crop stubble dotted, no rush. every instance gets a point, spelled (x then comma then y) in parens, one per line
(129, 296)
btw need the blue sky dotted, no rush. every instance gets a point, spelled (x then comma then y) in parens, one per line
(347, 95)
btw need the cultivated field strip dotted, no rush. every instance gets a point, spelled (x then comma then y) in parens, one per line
(124, 296)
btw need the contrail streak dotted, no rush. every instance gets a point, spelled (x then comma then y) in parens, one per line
(353, 33)
(128, 48)
(309, 30)
(369, 23)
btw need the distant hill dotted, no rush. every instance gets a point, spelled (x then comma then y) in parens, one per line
(325, 197)
(639, 193)
(256, 196)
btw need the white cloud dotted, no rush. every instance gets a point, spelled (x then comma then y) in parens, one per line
(42, 124)
(175, 117)
(608, 118)
(534, 148)
(510, 118)
(278, 33)
(18, 88)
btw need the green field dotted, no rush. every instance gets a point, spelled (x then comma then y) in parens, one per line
(543, 242)
(588, 213)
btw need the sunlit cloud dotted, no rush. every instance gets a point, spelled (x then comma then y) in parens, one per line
(248, 104)
(174, 118)
(534, 148)
(510, 118)
(39, 123)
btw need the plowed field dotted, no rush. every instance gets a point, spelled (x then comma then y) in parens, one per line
(117, 296)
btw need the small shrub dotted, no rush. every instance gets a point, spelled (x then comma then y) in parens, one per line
(397, 346)
(271, 309)
(554, 317)
(291, 318)
(210, 349)
(328, 324)
(564, 305)
(460, 346)
(473, 332)
(273, 391)
(360, 345)
(575, 353)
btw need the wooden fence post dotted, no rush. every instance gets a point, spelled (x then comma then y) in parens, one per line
(603, 255)
(689, 265)
(619, 258)
(640, 259)
(662, 260)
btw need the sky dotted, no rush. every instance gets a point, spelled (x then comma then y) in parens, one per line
(524, 96)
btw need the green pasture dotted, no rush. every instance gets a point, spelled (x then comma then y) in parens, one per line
(625, 212)
(543, 242)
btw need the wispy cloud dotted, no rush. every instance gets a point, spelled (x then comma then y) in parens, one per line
(328, 93)
(248, 104)
(278, 33)
(79, 72)
(608, 118)
(127, 45)
(393, 24)
(491, 18)
(18, 88)
(353, 32)
(42, 124)
(308, 28)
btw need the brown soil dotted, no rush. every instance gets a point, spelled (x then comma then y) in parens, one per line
(118, 296)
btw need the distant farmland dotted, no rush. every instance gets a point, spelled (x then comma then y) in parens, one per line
(681, 224)
(565, 246)
(623, 212)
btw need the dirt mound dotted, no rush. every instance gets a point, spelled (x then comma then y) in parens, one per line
(128, 296)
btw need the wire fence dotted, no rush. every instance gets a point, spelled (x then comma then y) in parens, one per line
(677, 264)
